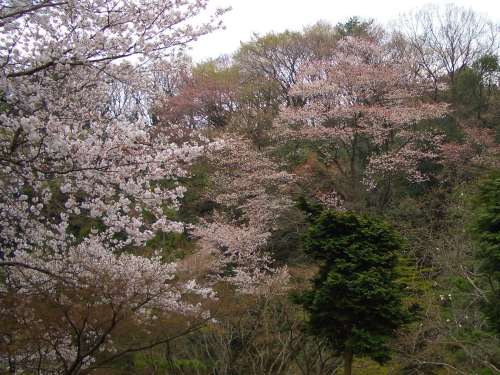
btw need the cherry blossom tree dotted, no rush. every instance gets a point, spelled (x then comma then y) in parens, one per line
(67, 158)
(364, 106)
(251, 192)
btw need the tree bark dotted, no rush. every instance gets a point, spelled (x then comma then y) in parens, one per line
(348, 362)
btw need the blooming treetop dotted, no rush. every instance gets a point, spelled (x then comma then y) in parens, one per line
(363, 98)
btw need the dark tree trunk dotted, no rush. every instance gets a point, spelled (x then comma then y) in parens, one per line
(348, 362)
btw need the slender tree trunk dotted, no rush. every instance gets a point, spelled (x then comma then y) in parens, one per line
(435, 96)
(479, 107)
(348, 362)
(12, 366)
(354, 146)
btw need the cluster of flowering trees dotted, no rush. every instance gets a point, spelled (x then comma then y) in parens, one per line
(91, 171)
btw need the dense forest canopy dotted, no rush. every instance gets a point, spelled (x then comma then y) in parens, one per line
(322, 200)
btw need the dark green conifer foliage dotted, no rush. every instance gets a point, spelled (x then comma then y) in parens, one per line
(356, 300)
(487, 232)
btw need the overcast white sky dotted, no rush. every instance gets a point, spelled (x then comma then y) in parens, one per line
(262, 16)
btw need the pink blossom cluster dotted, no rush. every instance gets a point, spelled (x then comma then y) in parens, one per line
(331, 200)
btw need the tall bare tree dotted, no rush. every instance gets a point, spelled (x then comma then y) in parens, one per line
(443, 40)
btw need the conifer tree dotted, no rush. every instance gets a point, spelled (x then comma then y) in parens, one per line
(356, 301)
(487, 231)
